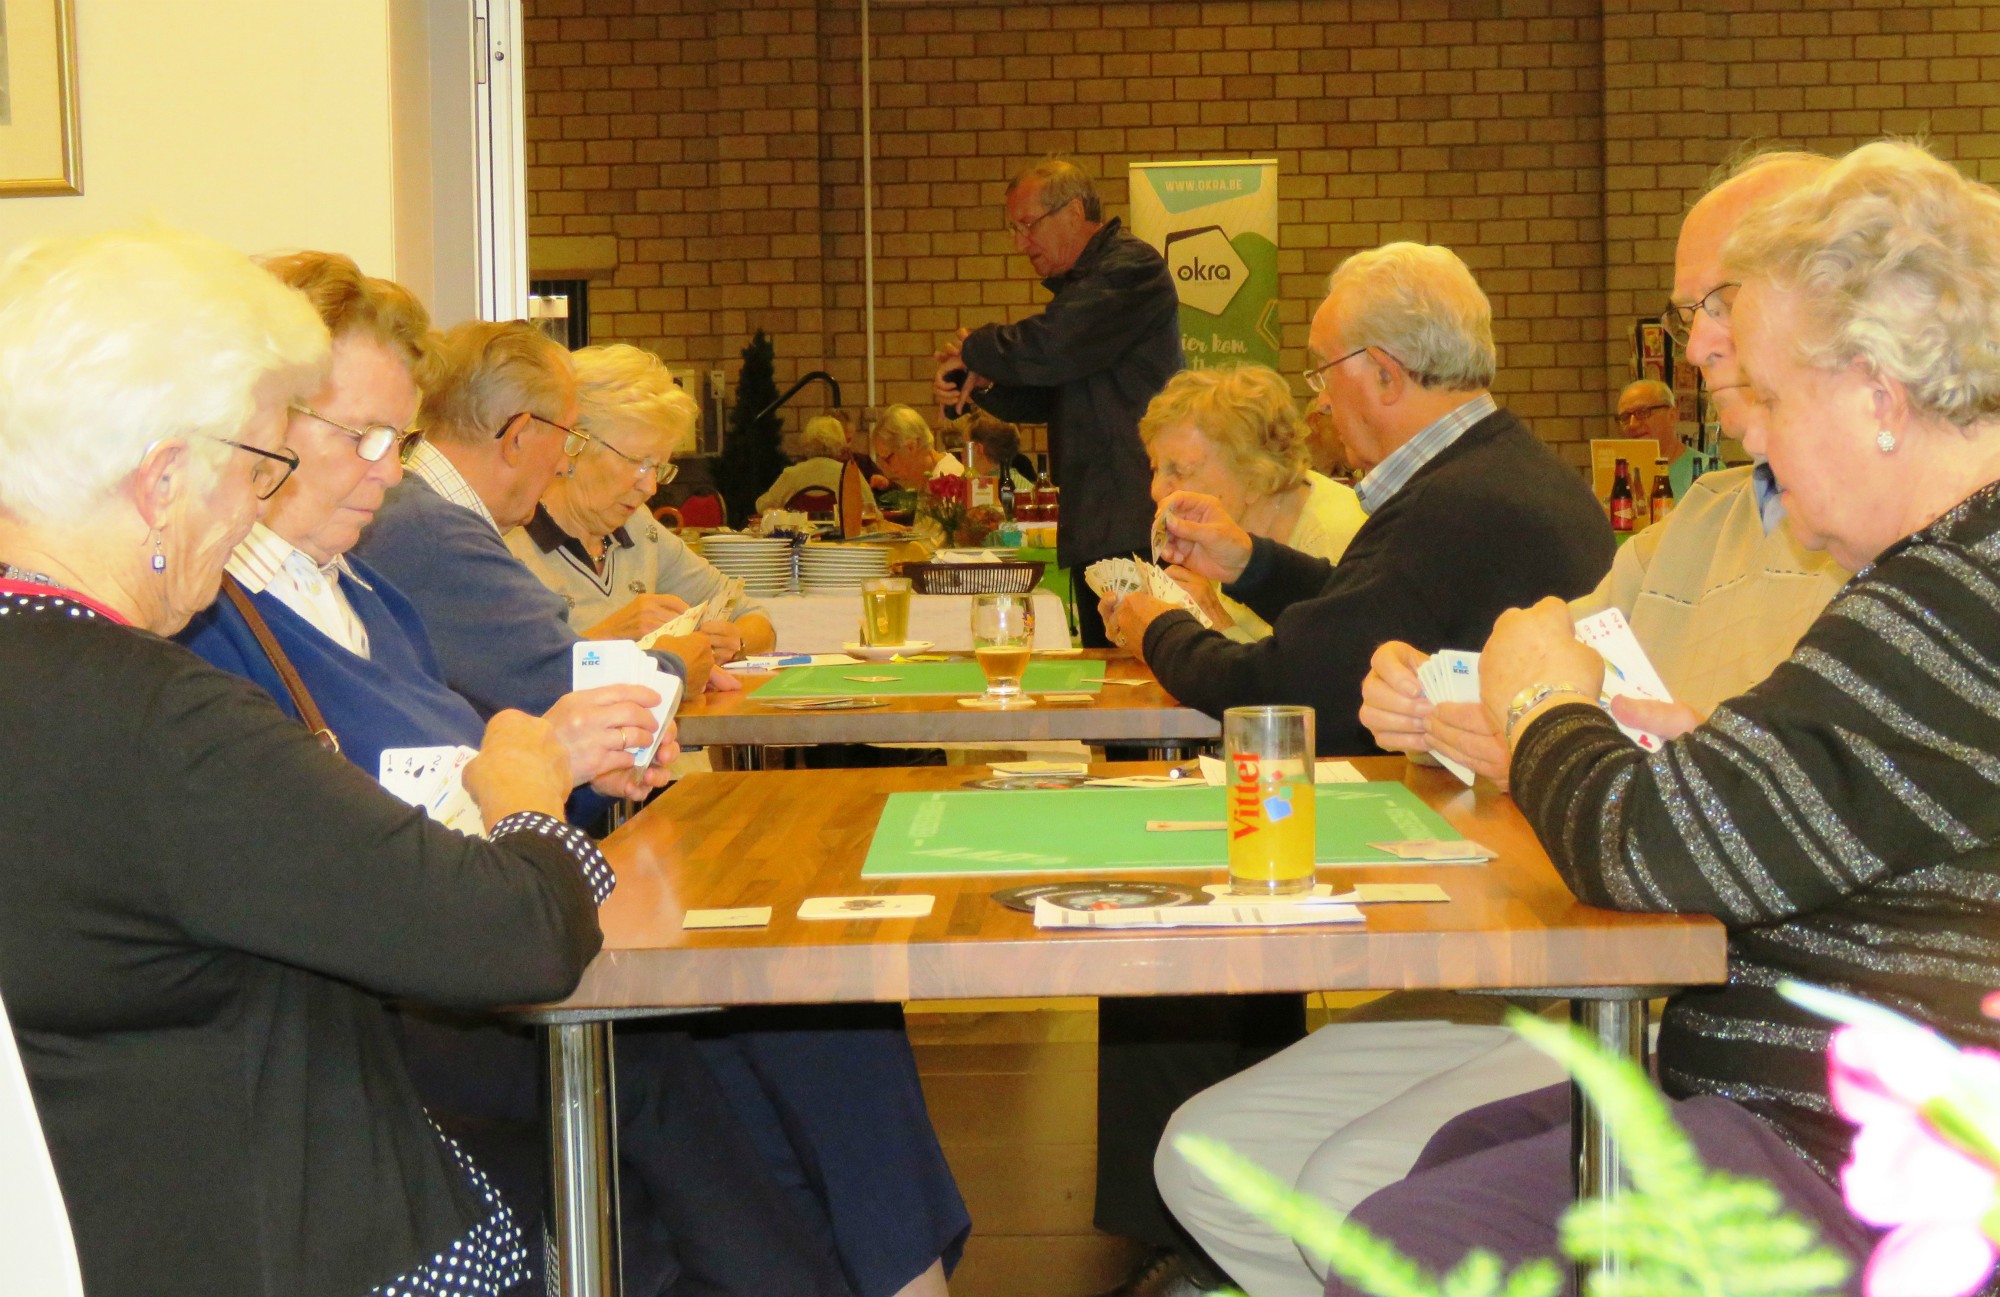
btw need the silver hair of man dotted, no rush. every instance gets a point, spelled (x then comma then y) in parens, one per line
(1061, 181)
(1420, 304)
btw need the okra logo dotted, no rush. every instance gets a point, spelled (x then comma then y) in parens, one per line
(1207, 272)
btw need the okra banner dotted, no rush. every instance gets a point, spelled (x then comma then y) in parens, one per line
(1216, 223)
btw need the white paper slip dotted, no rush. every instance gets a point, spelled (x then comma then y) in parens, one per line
(1215, 773)
(1195, 916)
(1038, 767)
(1437, 850)
(867, 907)
(1628, 672)
(434, 780)
(746, 916)
(779, 661)
(1393, 893)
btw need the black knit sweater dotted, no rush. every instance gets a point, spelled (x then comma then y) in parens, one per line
(1494, 521)
(1842, 818)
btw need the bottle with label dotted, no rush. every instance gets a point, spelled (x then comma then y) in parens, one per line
(1005, 493)
(1621, 498)
(1662, 502)
(1048, 500)
(980, 492)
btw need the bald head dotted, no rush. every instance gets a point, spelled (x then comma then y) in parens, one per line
(1698, 262)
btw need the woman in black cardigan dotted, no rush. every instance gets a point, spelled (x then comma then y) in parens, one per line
(204, 909)
(1841, 817)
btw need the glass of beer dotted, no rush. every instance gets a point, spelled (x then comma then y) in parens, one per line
(1003, 633)
(885, 610)
(1269, 751)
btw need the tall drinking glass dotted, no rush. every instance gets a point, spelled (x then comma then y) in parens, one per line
(1271, 823)
(885, 610)
(1003, 633)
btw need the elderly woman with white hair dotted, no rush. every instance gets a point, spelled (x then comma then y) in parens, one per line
(823, 456)
(583, 542)
(1233, 433)
(1840, 817)
(198, 980)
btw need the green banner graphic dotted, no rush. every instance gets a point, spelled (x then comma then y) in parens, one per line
(1216, 223)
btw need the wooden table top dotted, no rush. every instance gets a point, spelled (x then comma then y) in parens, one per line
(1121, 713)
(776, 838)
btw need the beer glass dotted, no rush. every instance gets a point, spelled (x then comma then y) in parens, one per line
(1003, 632)
(885, 610)
(1269, 751)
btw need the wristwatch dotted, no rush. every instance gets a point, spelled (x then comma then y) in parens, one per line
(1534, 696)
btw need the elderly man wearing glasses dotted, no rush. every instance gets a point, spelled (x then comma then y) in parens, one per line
(1648, 409)
(622, 573)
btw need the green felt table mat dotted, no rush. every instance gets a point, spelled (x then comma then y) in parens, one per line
(1037, 831)
(915, 679)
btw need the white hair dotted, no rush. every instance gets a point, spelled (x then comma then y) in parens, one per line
(823, 437)
(1892, 258)
(113, 342)
(902, 428)
(1655, 390)
(1421, 305)
(618, 384)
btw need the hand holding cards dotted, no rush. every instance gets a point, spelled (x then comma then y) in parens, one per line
(595, 663)
(434, 779)
(1123, 576)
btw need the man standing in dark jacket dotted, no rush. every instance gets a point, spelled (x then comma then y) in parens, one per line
(1086, 366)
(1468, 513)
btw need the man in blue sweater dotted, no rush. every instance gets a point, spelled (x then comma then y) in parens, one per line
(496, 415)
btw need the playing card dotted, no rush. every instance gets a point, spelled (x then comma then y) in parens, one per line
(1451, 676)
(433, 779)
(1160, 534)
(867, 907)
(1628, 672)
(685, 623)
(596, 663)
(747, 916)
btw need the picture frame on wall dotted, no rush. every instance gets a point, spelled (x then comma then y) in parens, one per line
(41, 143)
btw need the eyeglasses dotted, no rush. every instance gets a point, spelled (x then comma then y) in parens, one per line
(1022, 229)
(371, 442)
(663, 471)
(1316, 376)
(272, 469)
(1638, 415)
(1680, 319)
(508, 422)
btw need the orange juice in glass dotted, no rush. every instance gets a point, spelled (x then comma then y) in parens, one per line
(1270, 819)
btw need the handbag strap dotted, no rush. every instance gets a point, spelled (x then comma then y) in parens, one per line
(302, 700)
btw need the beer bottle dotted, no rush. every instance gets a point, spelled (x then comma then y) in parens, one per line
(1006, 491)
(1662, 501)
(1621, 498)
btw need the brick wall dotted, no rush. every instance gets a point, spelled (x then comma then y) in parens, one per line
(1552, 143)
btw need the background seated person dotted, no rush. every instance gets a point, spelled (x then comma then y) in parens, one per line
(499, 407)
(1469, 513)
(198, 981)
(589, 540)
(906, 450)
(1649, 409)
(822, 458)
(989, 444)
(1233, 433)
(1717, 595)
(1839, 818)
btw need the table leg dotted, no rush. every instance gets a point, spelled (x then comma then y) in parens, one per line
(1618, 1026)
(583, 1159)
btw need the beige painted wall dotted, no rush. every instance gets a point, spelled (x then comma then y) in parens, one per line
(264, 123)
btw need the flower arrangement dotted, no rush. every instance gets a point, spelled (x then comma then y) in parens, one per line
(947, 502)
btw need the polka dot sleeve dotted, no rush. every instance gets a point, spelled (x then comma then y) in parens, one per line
(589, 860)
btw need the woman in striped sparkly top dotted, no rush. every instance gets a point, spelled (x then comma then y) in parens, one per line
(1843, 817)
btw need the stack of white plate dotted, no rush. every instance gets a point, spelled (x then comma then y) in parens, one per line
(840, 569)
(764, 562)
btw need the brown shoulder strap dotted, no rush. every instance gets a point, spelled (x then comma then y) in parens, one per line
(294, 686)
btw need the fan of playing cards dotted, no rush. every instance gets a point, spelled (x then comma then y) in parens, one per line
(715, 608)
(1452, 676)
(1123, 576)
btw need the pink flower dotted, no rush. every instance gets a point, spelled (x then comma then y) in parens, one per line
(1903, 1176)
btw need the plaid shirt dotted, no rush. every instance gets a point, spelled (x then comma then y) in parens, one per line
(427, 462)
(1388, 477)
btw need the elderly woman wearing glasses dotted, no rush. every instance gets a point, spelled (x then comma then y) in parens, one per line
(198, 971)
(621, 573)
(1234, 433)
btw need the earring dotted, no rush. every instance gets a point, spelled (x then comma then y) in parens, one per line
(159, 558)
(1885, 441)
